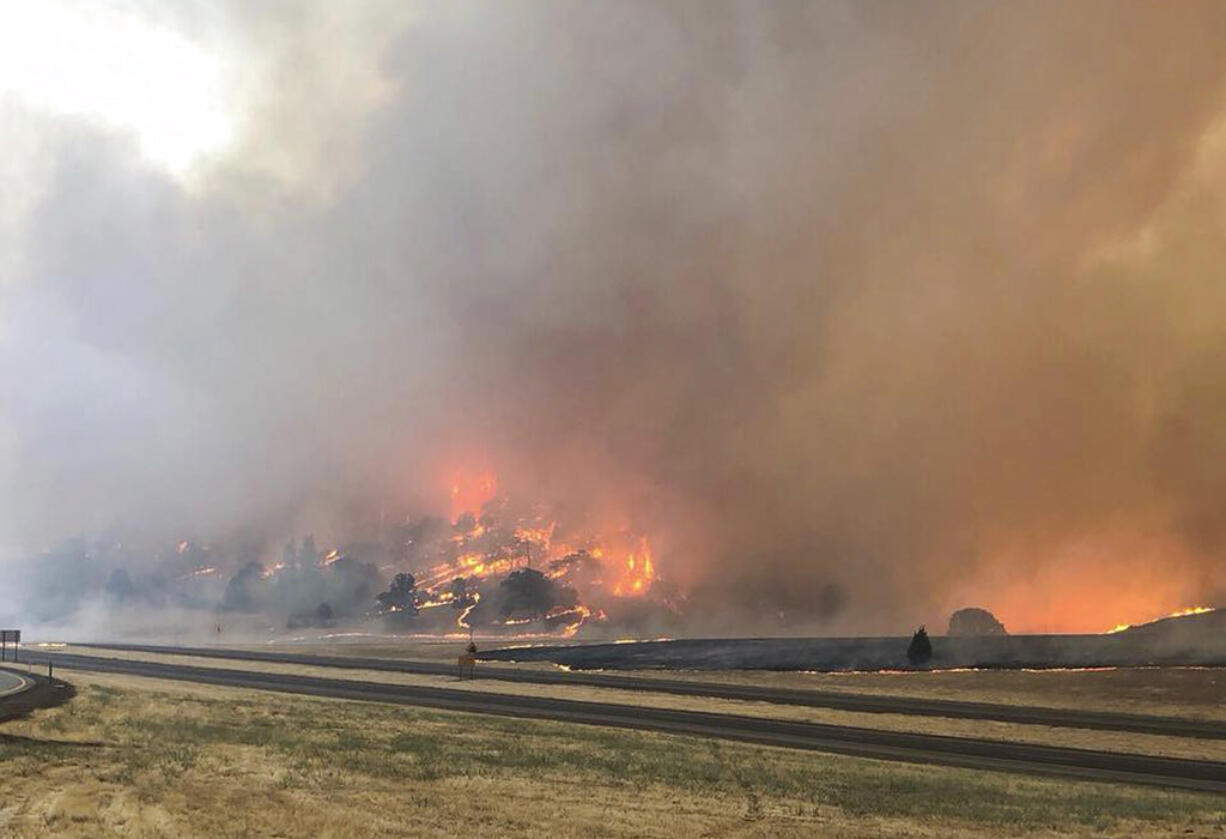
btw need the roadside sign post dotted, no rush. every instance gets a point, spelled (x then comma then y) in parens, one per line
(7, 637)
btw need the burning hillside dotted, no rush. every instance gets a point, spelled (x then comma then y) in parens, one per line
(493, 569)
(488, 567)
(1190, 620)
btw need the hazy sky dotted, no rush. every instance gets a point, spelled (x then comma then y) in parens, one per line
(924, 301)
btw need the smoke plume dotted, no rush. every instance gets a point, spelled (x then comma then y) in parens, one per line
(864, 311)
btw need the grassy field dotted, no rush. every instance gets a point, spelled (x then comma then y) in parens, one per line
(149, 758)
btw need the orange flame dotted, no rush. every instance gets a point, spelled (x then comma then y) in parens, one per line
(638, 573)
(1181, 613)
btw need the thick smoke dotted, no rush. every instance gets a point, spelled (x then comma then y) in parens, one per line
(864, 311)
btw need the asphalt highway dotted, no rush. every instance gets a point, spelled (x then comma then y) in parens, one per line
(971, 753)
(21, 693)
(11, 682)
(870, 703)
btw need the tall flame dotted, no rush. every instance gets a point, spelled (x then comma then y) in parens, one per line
(637, 573)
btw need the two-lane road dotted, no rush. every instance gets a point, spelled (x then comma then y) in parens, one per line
(861, 742)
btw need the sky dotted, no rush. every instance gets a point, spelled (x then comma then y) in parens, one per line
(919, 301)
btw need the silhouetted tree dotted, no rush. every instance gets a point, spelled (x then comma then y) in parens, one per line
(974, 621)
(119, 585)
(527, 592)
(399, 595)
(461, 597)
(324, 613)
(240, 593)
(920, 649)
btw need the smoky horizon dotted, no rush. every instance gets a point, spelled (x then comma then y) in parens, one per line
(826, 318)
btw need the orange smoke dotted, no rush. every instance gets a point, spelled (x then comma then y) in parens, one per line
(470, 494)
(1110, 579)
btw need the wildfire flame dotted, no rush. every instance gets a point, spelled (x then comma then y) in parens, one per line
(1181, 613)
(462, 620)
(638, 573)
(591, 568)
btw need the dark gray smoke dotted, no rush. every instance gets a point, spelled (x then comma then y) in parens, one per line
(863, 310)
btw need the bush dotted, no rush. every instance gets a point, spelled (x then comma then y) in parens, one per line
(920, 649)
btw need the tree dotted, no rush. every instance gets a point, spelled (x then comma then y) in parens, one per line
(323, 614)
(241, 591)
(974, 621)
(399, 595)
(920, 649)
(527, 593)
(119, 586)
(461, 597)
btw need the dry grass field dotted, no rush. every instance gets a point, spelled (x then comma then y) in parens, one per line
(139, 757)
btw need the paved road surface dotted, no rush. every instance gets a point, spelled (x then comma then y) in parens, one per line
(21, 693)
(11, 683)
(1064, 718)
(887, 745)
